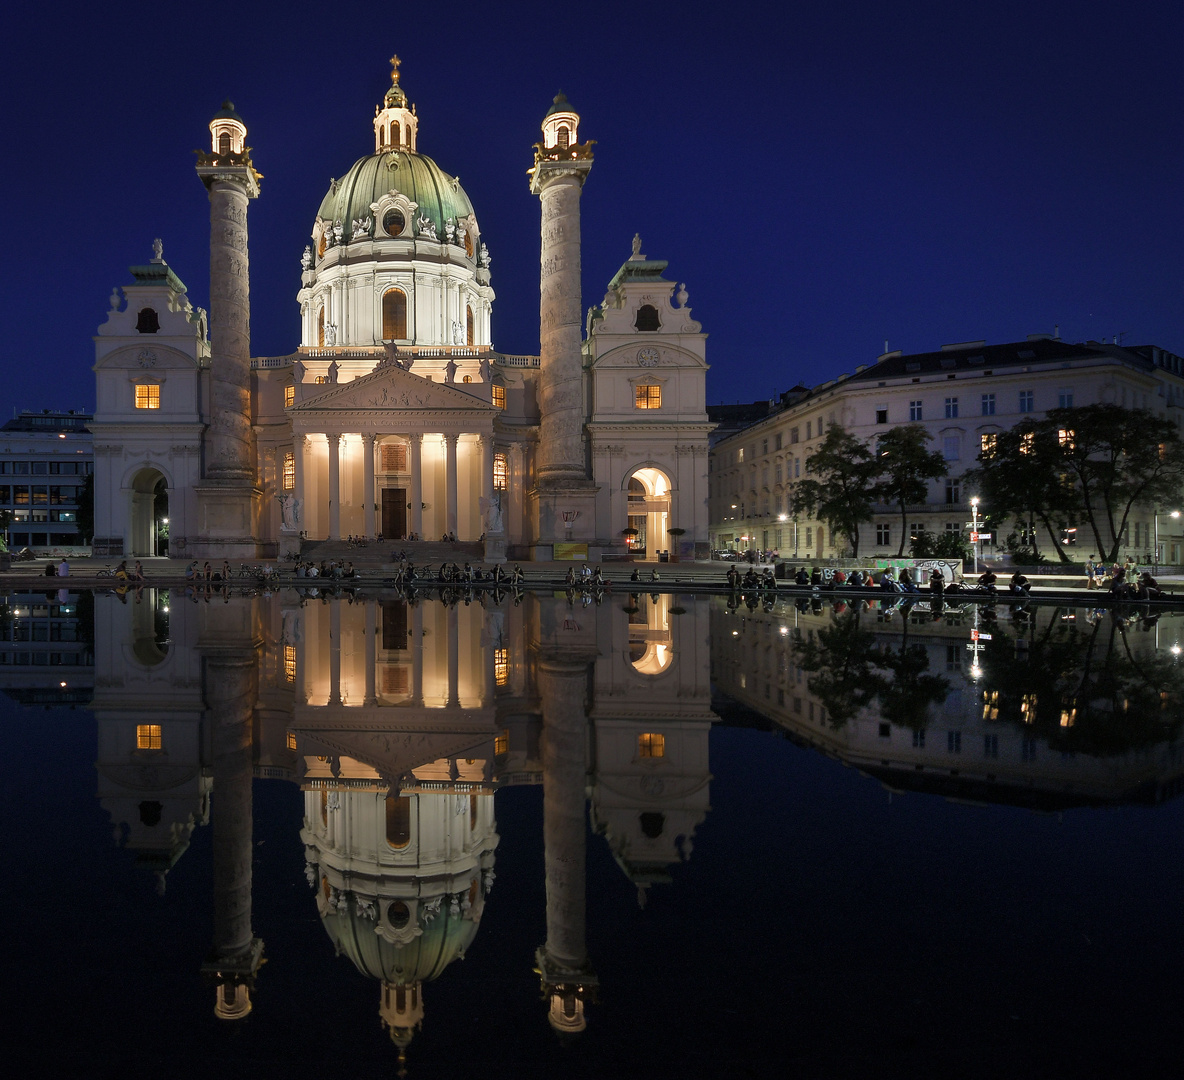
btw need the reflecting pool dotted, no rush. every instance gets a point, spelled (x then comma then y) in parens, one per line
(647, 834)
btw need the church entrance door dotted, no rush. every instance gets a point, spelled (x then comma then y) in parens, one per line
(394, 513)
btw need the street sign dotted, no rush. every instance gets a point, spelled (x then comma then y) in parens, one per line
(977, 635)
(975, 537)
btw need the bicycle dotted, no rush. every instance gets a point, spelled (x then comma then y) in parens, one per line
(106, 572)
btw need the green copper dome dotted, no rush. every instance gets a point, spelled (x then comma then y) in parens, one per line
(440, 196)
(444, 939)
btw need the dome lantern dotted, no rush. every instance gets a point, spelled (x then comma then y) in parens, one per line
(228, 133)
(396, 127)
(560, 125)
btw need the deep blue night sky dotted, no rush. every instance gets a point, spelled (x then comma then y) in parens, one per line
(822, 180)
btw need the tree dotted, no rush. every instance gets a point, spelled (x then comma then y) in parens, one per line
(1117, 459)
(940, 545)
(906, 468)
(841, 487)
(1021, 475)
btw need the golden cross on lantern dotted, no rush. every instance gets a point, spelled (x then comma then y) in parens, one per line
(395, 62)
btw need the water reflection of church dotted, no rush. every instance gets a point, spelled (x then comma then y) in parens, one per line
(399, 722)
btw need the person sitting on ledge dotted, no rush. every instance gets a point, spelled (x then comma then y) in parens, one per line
(802, 577)
(570, 578)
(937, 584)
(987, 581)
(1020, 584)
(636, 575)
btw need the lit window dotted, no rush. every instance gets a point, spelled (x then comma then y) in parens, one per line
(290, 663)
(987, 445)
(648, 397)
(1027, 442)
(290, 471)
(147, 736)
(499, 396)
(501, 472)
(147, 396)
(291, 740)
(740, 453)
(501, 744)
(470, 331)
(501, 666)
(651, 745)
(394, 315)
(1066, 437)
(321, 380)
(289, 396)
(467, 379)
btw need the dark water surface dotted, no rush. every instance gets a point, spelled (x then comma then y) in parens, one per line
(826, 894)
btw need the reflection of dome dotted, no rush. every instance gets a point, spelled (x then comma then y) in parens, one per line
(439, 196)
(443, 939)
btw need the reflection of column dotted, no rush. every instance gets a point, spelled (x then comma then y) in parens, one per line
(487, 491)
(300, 519)
(334, 486)
(450, 481)
(416, 441)
(230, 697)
(453, 657)
(371, 648)
(368, 485)
(335, 652)
(416, 653)
(563, 960)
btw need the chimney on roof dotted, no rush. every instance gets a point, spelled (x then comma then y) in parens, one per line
(1056, 332)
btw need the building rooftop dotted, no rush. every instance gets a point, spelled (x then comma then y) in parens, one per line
(50, 421)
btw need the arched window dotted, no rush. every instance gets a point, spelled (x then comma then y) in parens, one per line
(470, 335)
(467, 378)
(652, 825)
(394, 315)
(224, 143)
(396, 135)
(323, 242)
(321, 327)
(563, 136)
(381, 135)
(398, 821)
(647, 318)
(147, 322)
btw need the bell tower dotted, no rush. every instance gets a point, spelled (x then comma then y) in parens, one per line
(396, 127)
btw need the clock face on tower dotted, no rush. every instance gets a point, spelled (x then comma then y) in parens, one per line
(647, 357)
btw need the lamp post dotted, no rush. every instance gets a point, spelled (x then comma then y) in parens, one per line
(1173, 514)
(974, 530)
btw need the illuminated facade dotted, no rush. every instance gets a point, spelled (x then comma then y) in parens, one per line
(395, 416)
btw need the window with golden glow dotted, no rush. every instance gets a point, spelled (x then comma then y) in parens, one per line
(321, 313)
(467, 379)
(148, 737)
(650, 744)
(394, 457)
(289, 396)
(501, 745)
(291, 740)
(398, 821)
(290, 663)
(563, 138)
(147, 396)
(501, 666)
(223, 144)
(501, 473)
(1067, 438)
(1027, 442)
(499, 396)
(396, 134)
(290, 471)
(394, 315)
(987, 445)
(648, 397)
(470, 335)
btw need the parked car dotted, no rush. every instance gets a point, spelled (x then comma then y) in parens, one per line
(726, 554)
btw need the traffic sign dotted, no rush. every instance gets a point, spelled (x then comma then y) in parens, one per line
(978, 635)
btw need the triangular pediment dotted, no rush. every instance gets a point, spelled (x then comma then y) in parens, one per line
(388, 387)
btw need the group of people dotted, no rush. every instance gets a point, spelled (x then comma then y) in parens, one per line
(61, 569)
(335, 570)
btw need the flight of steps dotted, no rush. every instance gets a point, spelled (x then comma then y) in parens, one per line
(375, 555)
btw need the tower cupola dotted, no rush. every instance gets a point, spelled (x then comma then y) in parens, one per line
(228, 133)
(560, 124)
(396, 127)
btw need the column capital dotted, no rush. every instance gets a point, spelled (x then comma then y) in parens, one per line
(415, 438)
(333, 438)
(451, 438)
(369, 439)
(299, 440)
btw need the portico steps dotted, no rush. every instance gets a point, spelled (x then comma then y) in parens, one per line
(376, 554)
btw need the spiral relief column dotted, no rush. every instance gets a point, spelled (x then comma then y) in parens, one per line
(228, 497)
(564, 496)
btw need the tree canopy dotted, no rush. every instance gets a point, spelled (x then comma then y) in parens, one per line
(840, 488)
(906, 467)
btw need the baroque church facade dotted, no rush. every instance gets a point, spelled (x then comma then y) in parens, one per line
(395, 416)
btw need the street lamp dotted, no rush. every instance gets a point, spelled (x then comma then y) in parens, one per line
(1173, 514)
(974, 530)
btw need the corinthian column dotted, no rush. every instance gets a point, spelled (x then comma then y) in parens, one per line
(564, 494)
(228, 496)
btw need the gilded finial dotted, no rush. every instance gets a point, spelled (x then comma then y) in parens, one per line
(395, 62)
